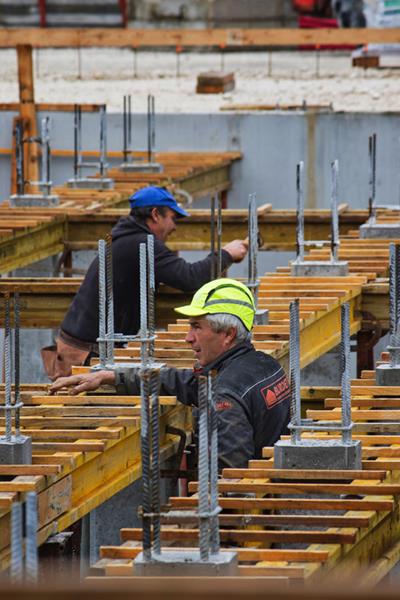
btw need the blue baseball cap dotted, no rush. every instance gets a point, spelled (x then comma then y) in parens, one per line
(156, 196)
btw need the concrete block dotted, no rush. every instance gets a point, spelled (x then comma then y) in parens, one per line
(215, 82)
(386, 375)
(18, 451)
(17, 200)
(319, 268)
(261, 317)
(142, 167)
(380, 230)
(317, 454)
(91, 183)
(187, 563)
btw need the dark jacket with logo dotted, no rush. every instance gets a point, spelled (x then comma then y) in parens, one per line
(82, 319)
(251, 395)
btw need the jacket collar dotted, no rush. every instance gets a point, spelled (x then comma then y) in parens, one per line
(224, 359)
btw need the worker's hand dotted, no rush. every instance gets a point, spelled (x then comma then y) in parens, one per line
(237, 249)
(85, 382)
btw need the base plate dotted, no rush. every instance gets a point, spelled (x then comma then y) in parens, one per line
(142, 167)
(319, 268)
(380, 231)
(17, 200)
(317, 454)
(93, 183)
(18, 451)
(186, 563)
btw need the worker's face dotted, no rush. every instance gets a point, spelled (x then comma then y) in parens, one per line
(206, 344)
(162, 225)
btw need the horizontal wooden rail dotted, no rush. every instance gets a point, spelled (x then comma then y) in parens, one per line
(237, 37)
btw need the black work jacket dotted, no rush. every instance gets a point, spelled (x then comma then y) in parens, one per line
(82, 318)
(251, 396)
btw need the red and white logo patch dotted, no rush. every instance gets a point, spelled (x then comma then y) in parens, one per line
(276, 392)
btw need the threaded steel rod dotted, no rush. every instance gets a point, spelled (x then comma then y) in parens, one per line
(7, 367)
(155, 462)
(143, 304)
(109, 301)
(300, 211)
(334, 211)
(253, 244)
(204, 526)
(151, 292)
(294, 368)
(103, 140)
(102, 302)
(212, 231)
(219, 236)
(214, 529)
(372, 174)
(16, 569)
(31, 538)
(345, 363)
(17, 371)
(145, 450)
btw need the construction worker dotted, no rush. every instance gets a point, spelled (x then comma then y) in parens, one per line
(153, 210)
(251, 388)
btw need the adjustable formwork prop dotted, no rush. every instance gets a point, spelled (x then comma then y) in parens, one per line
(139, 166)
(15, 448)
(46, 198)
(318, 268)
(28, 572)
(389, 373)
(373, 229)
(261, 316)
(306, 453)
(78, 181)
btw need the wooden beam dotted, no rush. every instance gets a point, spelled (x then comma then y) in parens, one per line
(234, 37)
(27, 111)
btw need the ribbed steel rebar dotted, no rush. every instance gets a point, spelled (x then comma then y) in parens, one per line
(345, 364)
(31, 535)
(372, 174)
(109, 300)
(143, 304)
(334, 211)
(214, 528)
(253, 244)
(204, 505)
(155, 461)
(17, 390)
(77, 140)
(45, 166)
(16, 568)
(294, 368)
(151, 127)
(392, 292)
(103, 140)
(151, 292)
(212, 240)
(219, 236)
(19, 158)
(300, 211)
(145, 451)
(7, 367)
(102, 302)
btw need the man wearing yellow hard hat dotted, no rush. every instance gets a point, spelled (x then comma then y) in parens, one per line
(251, 388)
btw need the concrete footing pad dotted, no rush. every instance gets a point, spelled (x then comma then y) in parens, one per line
(17, 200)
(142, 167)
(317, 454)
(319, 268)
(18, 451)
(186, 563)
(91, 183)
(386, 375)
(380, 230)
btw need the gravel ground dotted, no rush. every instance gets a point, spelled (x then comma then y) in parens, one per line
(99, 75)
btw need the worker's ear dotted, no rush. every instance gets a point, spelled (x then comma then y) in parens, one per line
(155, 215)
(230, 335)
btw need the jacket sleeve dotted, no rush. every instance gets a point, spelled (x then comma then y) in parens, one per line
(173, 382)
(175, 271)
(235, 433)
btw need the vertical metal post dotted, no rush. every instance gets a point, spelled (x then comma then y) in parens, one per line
(16, 543)
(334, 211)
(345, 360)
(17, 391)
(31, 535)
(151, 291)
(214, 521)
(253, 245)
(151, 128)
(219, 236)
(19, 157)
(294, 368)
(372, 175)
(204, 507)
(394, 303)
(103, 140)
(125, 129)
(155, 461)
(7, 367)
(102, 302)
(77, 141)
(45, 143)
(109, 300)
(300, 211)
(127, 126)
(143, 303)
(212, 232)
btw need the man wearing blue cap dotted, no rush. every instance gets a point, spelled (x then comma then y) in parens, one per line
(153, 210)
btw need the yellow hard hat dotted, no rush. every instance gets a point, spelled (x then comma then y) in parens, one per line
(226, 296)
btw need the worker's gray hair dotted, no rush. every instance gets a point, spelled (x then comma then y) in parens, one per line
(223, 322)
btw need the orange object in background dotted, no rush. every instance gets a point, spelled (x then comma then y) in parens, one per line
(320, 8)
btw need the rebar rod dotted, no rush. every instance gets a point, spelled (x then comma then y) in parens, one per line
(125, 128)
(151, 291)
(151, 128)
(109, 301)
(16, 568)
(31, 538)
(253, 245)
(45, 166)
(300, 211)
(102, 303)
(129, 124)
(394, 304)
(214, 526)
(219, 236)
(7, 367)
(212, 240)
(77, 140)
(204, 525)
(294, 368)
(19, 158)
(103, 140)
(334, 211)
(17, 371)
(372, 175)
(345, 368)
(155, 462)
(145, 451)
(143, 304)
